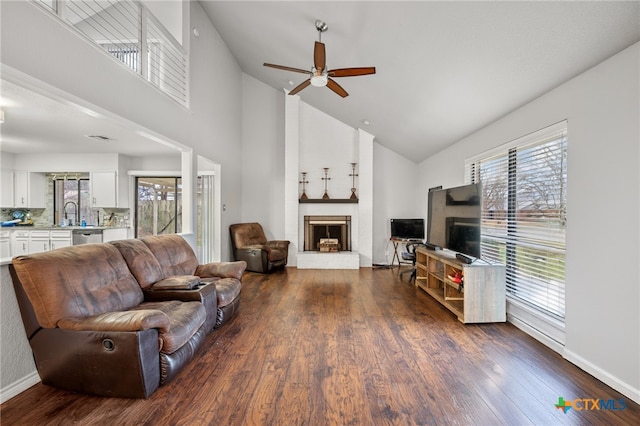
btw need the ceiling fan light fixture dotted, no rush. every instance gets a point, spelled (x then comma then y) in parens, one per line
(319, 80)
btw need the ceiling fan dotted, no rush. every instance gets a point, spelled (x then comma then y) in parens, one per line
(319, 76)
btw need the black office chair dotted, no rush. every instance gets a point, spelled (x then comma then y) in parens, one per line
(410, 256)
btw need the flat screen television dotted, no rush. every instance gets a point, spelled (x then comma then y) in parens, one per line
(407, 229)
(454, 219)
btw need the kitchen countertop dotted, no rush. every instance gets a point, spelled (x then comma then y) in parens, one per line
(56, 228)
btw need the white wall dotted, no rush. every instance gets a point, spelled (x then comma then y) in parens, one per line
(326, 142)
(212, 127)
(169, 13)
(68, 162)
(395, 195)
(263, 157)
(602, 107)
(17, 369)
(153, 163)
(394, 177)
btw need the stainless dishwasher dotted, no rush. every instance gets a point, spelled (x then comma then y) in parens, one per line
(86, 236)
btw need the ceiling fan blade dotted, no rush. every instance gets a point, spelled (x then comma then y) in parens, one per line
(319, 57)
(351, 72)
(331, 84)
(300, 86)
(282, 67)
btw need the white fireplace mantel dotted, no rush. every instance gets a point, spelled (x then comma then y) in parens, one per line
(308, 129)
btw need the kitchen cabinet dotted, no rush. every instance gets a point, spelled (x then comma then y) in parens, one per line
(59, 239)
(19, 243)
(39, 241)
(6, 189)
(20, 189)
(112, 234)
(30, 190)
(104, 191)
(5, 244)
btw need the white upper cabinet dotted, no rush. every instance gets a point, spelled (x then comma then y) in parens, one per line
(6, 189)
(30, 190)
(104, 191)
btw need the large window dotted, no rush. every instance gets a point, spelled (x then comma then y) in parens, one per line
(72, 201)
(158, 206)
(524, 216)
(159, 209)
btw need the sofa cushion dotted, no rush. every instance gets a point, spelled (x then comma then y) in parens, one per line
(77, 281)
(142, 263)
(228, 289)
(174, 254)
(222, 269)
(136, 320)
(185, 318)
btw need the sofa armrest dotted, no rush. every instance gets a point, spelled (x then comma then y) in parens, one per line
(255, 247)
(177, 282)
(120, 364)
(279, 244)
(138, 320)
(205, 293)
(222, 269)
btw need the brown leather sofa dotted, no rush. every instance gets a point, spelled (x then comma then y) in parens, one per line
(94, 328)
(165, 265)
(250, 244)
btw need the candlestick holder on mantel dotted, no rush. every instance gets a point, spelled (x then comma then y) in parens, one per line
(304, 183)
(353, 175)
(325, 197)
(326, 178)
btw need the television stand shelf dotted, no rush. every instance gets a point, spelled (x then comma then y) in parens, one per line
(474, 292)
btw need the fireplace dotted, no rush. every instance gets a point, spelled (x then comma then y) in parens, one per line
(329, 229)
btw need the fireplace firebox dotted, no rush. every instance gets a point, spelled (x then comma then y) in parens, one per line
(318, 228)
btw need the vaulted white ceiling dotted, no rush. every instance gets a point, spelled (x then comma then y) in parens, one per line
(444, 69)
(35, 123)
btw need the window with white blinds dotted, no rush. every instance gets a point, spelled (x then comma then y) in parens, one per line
(524, 185)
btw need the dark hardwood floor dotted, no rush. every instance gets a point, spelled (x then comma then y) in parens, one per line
(328, 347)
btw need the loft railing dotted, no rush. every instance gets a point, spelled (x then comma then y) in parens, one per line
(126, 29)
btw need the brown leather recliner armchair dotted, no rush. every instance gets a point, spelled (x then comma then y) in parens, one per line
(250, 244)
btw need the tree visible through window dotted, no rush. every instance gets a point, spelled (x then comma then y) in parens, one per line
(72, 201)
(524, 216)
(158, 206)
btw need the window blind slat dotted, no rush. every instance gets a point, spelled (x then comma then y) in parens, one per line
(524, 215)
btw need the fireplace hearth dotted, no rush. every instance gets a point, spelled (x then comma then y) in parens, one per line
(318, 228)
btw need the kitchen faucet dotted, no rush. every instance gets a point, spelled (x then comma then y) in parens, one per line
(76, 211)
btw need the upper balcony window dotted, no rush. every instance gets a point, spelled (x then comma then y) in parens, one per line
(132, 34)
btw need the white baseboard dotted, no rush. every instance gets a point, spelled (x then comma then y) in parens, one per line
(19, 386)
(602, 375)
(536, 334)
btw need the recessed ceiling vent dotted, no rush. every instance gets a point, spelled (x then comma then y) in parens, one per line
(100, 138)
